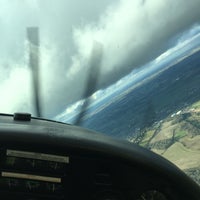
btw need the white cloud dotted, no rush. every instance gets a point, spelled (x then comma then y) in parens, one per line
(133, 27)
(15, 89)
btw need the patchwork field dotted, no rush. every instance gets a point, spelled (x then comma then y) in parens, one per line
(177, 138)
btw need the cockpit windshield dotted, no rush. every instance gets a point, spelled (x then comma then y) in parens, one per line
(129, 69)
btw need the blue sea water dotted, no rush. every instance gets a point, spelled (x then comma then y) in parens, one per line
(166, 86)
(168, 91)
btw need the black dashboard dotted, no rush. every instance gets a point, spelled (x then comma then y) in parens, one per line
(41, 160)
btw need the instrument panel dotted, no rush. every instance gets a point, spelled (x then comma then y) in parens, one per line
(43, 160)
(38, 176)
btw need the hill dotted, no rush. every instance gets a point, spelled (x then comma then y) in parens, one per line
(176, 138)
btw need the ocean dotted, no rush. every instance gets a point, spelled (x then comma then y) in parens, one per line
(151, 101)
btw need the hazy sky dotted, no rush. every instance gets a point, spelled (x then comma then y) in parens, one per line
(130, 32)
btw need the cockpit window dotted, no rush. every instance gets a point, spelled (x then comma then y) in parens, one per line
(128, 69)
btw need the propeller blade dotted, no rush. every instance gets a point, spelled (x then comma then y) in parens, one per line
(33, 38)
(94, 71)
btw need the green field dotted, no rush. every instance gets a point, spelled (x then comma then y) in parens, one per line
(177, 138)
